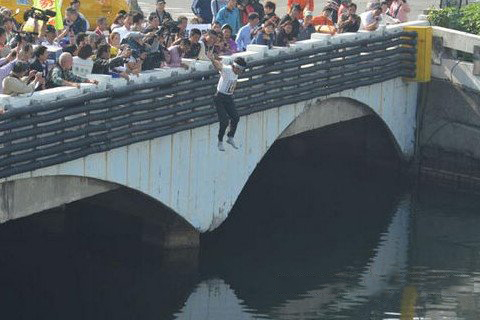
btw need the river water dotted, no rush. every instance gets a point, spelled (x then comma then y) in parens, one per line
(313, 236)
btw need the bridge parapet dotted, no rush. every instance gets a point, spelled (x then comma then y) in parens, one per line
(163, 102)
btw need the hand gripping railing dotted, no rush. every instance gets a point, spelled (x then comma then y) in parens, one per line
(41, 135)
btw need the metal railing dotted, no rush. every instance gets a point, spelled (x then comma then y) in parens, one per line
(47, 134)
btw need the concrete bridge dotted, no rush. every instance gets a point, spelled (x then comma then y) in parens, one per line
(158, 136)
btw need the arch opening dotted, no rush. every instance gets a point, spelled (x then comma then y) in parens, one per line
(81, 204)
(312, 190)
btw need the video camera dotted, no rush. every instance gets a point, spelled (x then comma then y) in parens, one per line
(39, 14)
(171, 27)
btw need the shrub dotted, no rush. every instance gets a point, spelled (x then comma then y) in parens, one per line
(466, 19)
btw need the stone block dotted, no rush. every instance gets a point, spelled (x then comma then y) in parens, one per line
(258, 48)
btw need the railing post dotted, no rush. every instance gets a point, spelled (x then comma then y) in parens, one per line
(476, 60)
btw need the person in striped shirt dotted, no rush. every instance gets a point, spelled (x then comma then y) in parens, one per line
(223, 99)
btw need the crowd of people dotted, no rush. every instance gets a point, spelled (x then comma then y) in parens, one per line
(32, 61)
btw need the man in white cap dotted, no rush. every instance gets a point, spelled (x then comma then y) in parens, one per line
(307, 27)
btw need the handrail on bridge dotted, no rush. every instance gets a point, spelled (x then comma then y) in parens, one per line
(46, 134)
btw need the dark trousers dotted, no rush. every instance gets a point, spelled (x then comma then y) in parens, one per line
(226, 113)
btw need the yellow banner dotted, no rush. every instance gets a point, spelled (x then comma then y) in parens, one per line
(54, 5)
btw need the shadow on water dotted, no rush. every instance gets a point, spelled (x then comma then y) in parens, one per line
(314, 206)
(86, 262)
(324, 229)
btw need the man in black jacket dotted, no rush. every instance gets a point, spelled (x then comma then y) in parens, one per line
(40, 64)
(201, 9)
(102, 64)
(163, 15)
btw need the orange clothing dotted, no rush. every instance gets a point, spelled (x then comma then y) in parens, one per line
(304, 4)
(322, 21)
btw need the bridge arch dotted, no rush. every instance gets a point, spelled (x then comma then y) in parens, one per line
(333, 111)
(27, 196)
(186, 173)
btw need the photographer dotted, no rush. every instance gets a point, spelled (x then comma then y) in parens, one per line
(153, 23)
(176, 54)
(195, 46)
(386, 18)
(40, 63)
(74, 21)
(207, 45)
(399, 9)
(49, 36)
(370, 20)
(138, 20)
(182, 23)
(349, 23)
(17, 82)
(102, 64)
(102, 26)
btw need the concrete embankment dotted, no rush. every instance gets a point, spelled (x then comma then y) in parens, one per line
(448, 149)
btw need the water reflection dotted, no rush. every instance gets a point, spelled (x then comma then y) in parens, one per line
(343, 294)
(425, 266)
(312, 237)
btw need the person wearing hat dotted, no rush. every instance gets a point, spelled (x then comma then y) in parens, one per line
(308, 5)
(223, 99)
(307, 27)
(17, 82)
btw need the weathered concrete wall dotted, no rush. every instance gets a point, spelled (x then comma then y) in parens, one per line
(450, 128)
(20, 198)
(187, 173)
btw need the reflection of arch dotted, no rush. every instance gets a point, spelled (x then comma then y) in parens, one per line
(341, 294)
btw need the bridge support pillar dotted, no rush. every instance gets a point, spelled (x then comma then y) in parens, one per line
(170, 236)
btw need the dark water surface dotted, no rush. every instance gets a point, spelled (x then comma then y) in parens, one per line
(317, 234)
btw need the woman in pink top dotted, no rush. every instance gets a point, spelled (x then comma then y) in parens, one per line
(399, 10)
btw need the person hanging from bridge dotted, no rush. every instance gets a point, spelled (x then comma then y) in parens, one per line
(223, 99)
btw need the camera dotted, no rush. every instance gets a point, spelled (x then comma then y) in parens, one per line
(22, 35)
(39, 14)
(171, 26)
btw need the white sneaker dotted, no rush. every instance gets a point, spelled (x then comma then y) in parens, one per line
(220, 146)
(231, 142)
